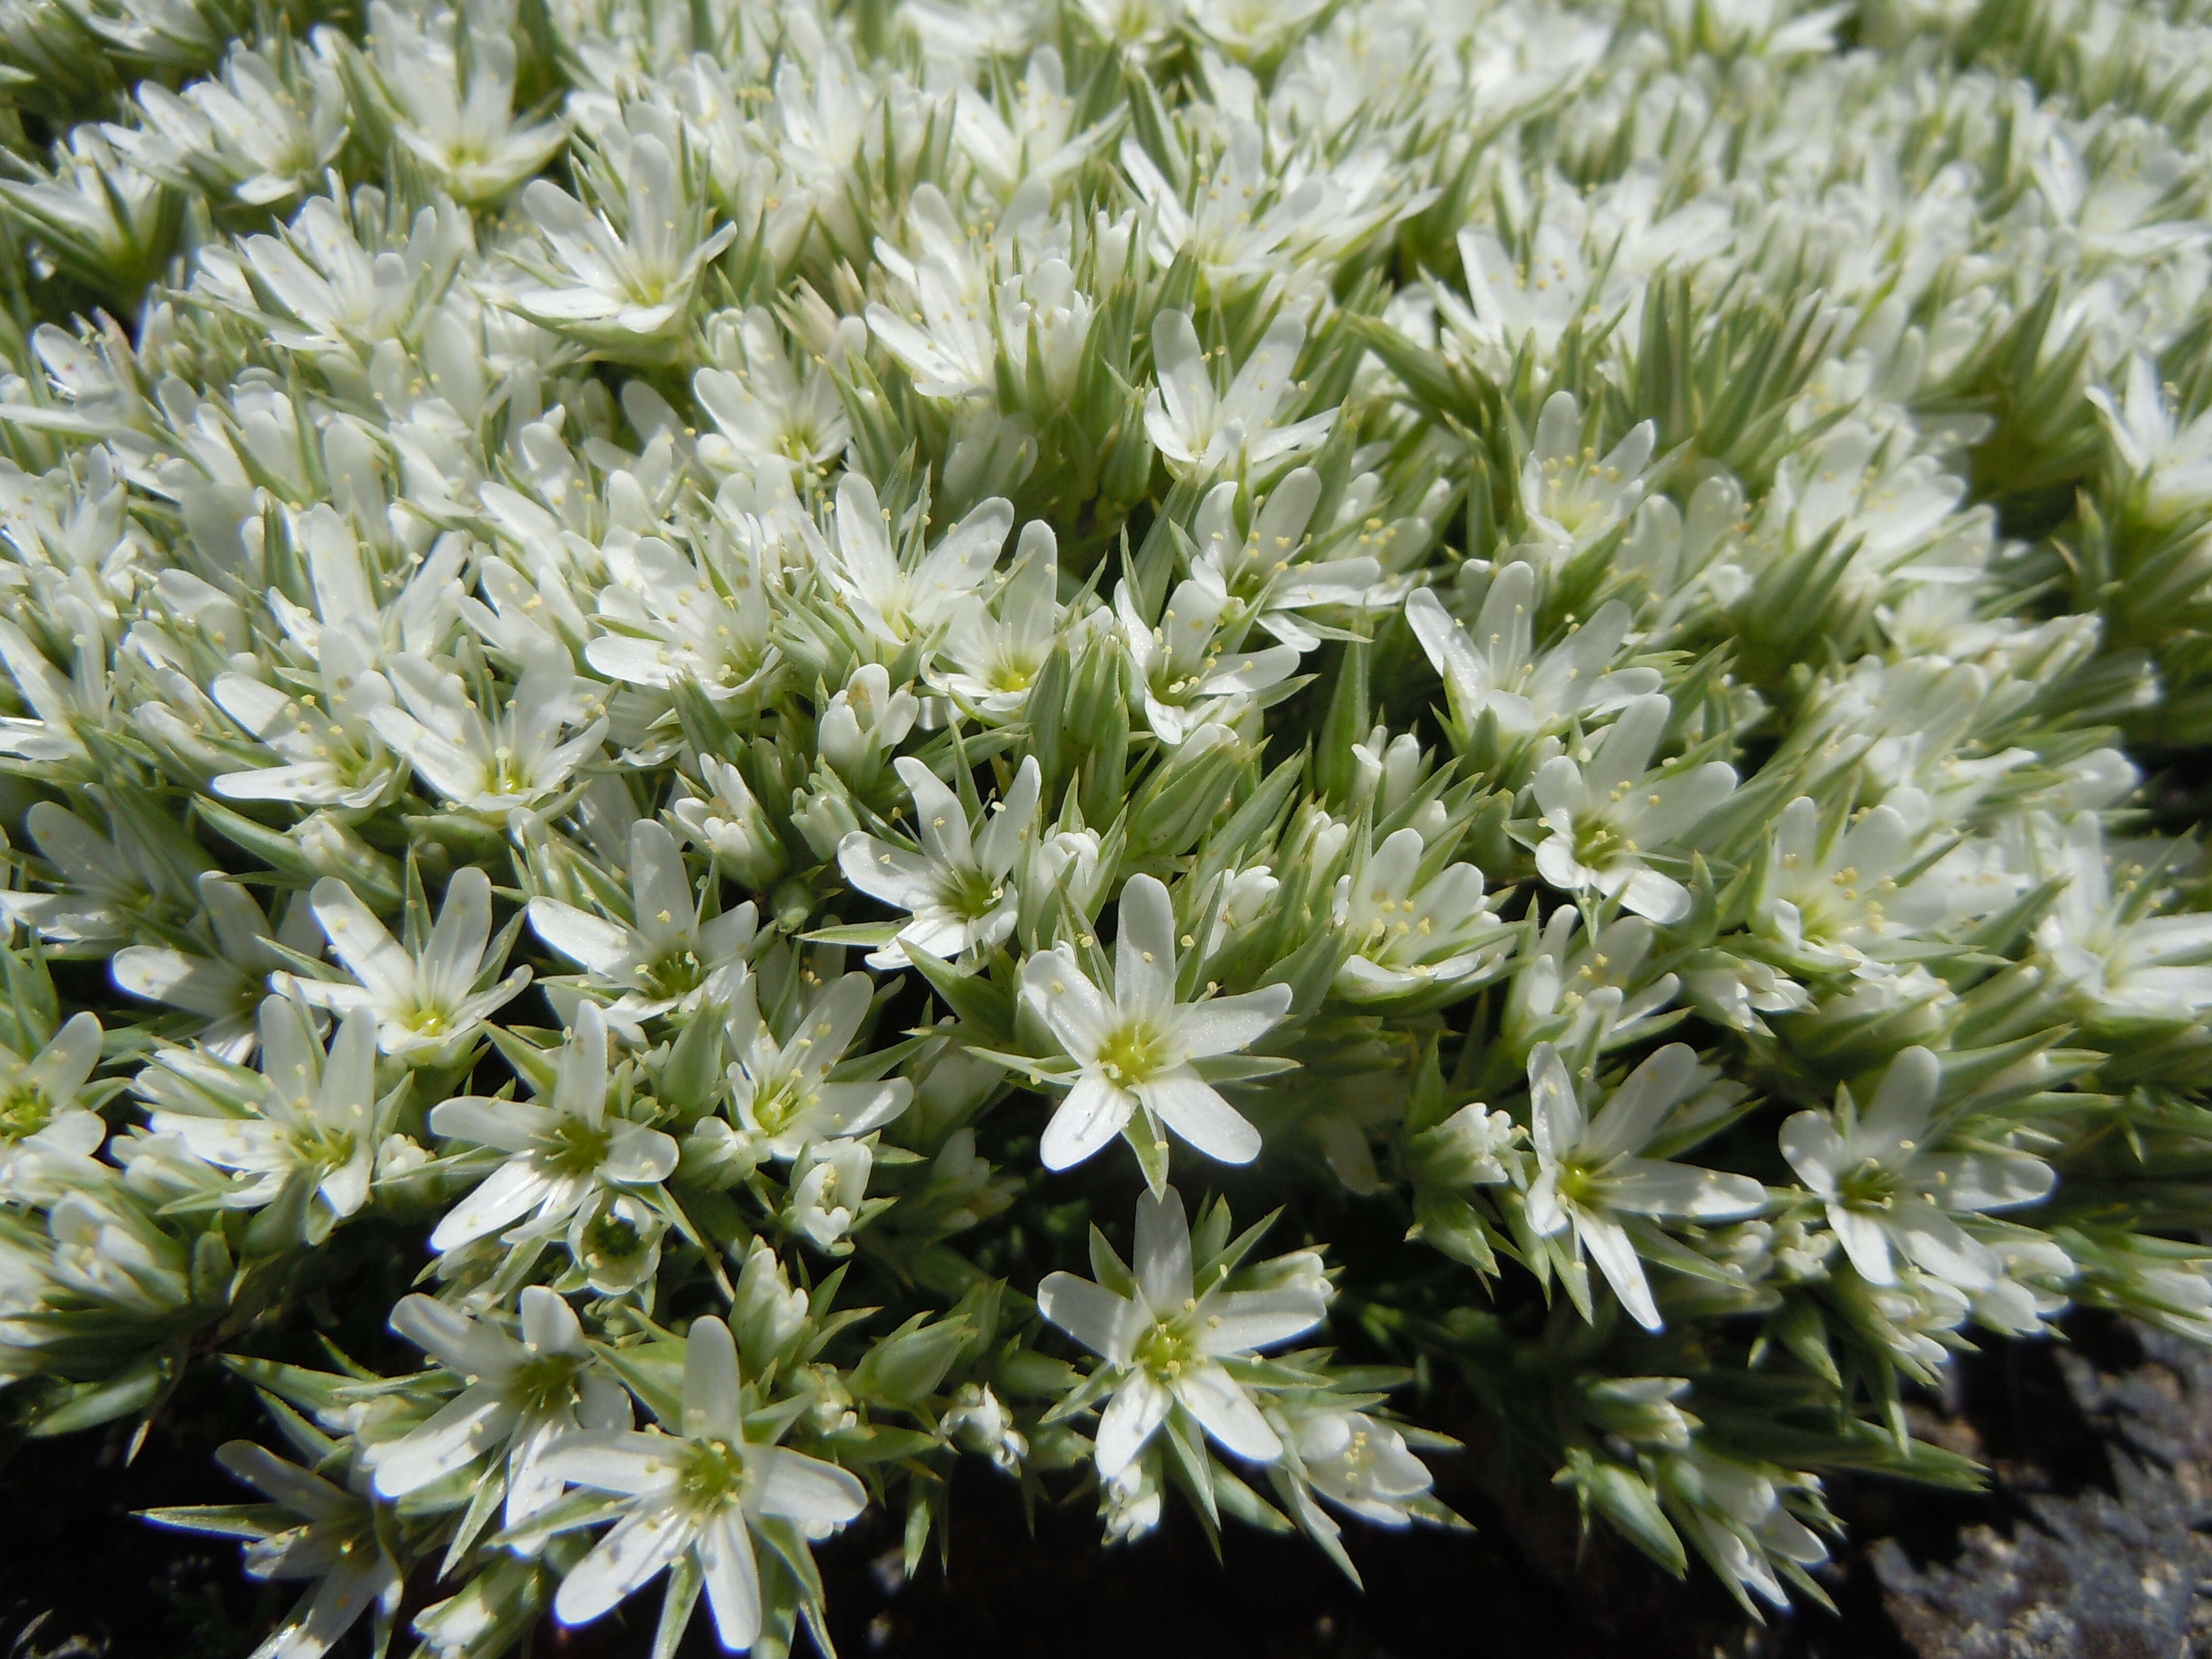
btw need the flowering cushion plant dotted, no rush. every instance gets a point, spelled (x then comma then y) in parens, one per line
(730, 678)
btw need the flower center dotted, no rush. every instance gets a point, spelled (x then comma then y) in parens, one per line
(673, 975)
(24, 1112)
(970, 894)
(1870, 1187)
(320, 1143)
(546, 1383)
(713, 1473)
(1132, 1054)
(778, 1102)
(1164, 1351)
(1598, 843)
(577, 1147)
(612, 1237)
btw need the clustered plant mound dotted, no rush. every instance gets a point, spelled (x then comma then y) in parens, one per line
(662, 659)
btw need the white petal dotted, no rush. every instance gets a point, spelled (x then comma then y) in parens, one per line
(1244, 1321)
(1101, 1321)
(642, 1544)
(807, 1490)
(453, 1339)
(1616, 1258)
(1222, 1025)
(1091, 1116)
(725, 1562)
(1212, 1396)
(712, 1409)
(1140, 1406)
(615, 1460)
(1145, 954)
(515, 1187)
(1865, 1241)
(457, 1434)
(1162, 1251)
(1195, 1111)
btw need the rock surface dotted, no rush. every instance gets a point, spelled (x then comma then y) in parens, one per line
(2099, 1551)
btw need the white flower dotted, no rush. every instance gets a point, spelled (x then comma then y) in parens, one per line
(314, 1131)
(1188, 681)
(1413, 938)
(957, 888)
(1572, 496)
(335, 1540)
(2117, 961)
(1138, 1052)
(1203, 431)
(764, 404)
(731, 824)
(1590, 1172)
(45, 1132)
(497, 764)
(1889, 1192)
(1251, 217)
(459, 123)
(1166, 1342)
(1606, 812)
(1260, 575)
(256, 134)
(428, 1001)
(702, 1492)
(223, 984)
(630, 287)
(703, 621)
(1499, 674)
(1843, 894)
(896, 599)
(666, 957)
(981, 1423)
(996, 655)
(829, 1181)
(2173, 461)
(331, 754)
(526, 1395)
(1357, 1462)
(324, 291)
(782, 1091)
(1034, 137)
(560, 1152)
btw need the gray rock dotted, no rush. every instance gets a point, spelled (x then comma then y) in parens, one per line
(2110, 1571)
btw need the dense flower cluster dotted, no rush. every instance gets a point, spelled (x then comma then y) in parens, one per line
(712, 670)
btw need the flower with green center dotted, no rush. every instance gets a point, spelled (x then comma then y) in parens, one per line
(310, 1138)
(491, 765)
(560, 1154)
(1186, 677)
(667, 957)
(1571, 496)
(1497, 670)
(703, 1492)
(782, 1091)
(526, 1395)
(957, 888)
(1605, 813)
(1415, 943)
(992, 656)
(1167, 1341)
(45, 1135)
(1139, 1054)
(428, 1002)
(1890, 1193)
(1591, 1173)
